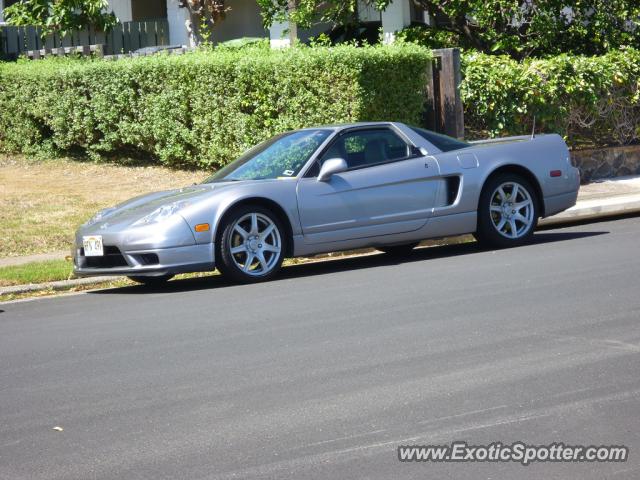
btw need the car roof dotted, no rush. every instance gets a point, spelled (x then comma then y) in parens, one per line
(342, 126)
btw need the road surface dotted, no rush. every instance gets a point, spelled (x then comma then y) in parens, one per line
(326, 371)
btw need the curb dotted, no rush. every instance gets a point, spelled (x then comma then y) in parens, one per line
(59, 285)
(596, 208)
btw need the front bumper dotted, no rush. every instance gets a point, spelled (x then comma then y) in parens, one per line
(118, 260)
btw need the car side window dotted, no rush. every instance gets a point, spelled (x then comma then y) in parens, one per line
(361, 148)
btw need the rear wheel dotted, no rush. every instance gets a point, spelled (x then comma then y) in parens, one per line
(508, 211)
(251, 246)
(152, 281)
(398, 250)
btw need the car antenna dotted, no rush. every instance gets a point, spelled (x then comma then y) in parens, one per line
(533, 130)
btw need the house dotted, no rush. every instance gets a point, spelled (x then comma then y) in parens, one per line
(244, 19)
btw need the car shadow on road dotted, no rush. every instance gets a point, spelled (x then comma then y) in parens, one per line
(341, 264)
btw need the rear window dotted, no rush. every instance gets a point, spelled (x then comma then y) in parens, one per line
(442, 142)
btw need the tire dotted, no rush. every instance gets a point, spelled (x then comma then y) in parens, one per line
(503, 222)
(398, 250)
(152, 281)
(241, 242)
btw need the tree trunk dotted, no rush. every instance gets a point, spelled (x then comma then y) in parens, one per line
(193, 27)
(293, 28)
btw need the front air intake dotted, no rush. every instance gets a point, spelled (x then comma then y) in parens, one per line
(112, 258)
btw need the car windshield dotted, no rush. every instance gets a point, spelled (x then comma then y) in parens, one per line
(280, 156)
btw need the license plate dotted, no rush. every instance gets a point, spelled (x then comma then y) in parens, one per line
(93, 246)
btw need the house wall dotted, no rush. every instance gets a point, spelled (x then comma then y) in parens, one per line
(395, 17)
(277, 35)
(306, 33)
(122, 9)
(367, 12)
(243, 20)
(177, 18)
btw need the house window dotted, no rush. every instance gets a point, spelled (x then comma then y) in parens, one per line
(419, 15)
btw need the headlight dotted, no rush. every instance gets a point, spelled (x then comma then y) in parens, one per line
(162, 213)
(99, 216)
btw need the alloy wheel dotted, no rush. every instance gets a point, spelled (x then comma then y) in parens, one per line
(512, 210)
(255, 244)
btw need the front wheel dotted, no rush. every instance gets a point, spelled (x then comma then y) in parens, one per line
(507, 212)
(251, 246)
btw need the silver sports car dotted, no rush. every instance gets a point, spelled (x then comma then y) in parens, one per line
(385, 185)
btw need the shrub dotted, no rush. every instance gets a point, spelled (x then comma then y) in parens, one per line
(589, 100)
(204, 108)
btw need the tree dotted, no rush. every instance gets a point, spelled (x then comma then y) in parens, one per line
(61, 16)
(204, 14)
(522, 28)
(305, 13)
(519, 28)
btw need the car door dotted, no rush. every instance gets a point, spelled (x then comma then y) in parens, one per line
(388, 188)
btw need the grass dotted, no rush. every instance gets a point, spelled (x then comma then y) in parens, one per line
(36, 272)
(43, 202)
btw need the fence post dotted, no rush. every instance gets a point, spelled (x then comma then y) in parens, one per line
(3, 43)
(448, 111)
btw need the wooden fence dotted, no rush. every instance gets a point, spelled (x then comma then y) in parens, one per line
(124, 38)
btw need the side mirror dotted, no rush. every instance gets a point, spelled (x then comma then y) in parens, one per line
(331, 167)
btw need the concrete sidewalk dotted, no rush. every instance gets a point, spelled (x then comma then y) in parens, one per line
(41, 257)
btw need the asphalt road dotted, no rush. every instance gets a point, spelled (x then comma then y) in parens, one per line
(326, 371)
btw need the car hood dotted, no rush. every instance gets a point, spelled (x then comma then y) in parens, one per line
(127, 213)
(136, 208)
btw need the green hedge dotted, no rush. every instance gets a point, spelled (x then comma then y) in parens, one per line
(204, 108)
(589, 100)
